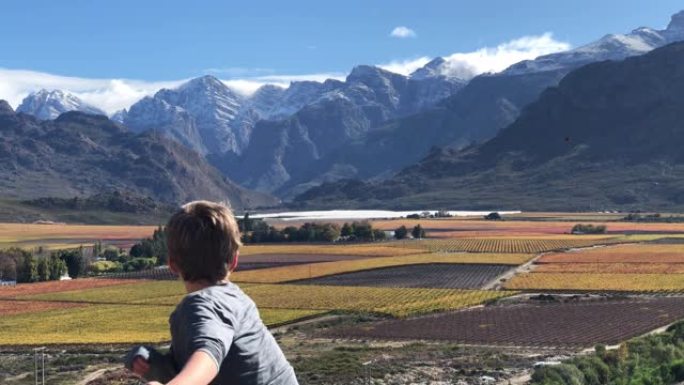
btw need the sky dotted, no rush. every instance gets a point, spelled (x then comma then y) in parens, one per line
(112, 52)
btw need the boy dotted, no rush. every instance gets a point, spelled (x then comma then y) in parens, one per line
(217, 336)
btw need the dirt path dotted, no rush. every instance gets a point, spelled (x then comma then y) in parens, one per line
(496, 283)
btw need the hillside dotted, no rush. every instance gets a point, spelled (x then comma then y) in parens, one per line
(79, 155)
(608, 137)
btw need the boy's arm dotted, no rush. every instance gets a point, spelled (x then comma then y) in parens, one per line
(200, 370)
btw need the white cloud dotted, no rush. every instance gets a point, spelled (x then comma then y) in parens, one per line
(112, 95)
(108, 94)
(405, 67)
(497, 59)
(466, 65)
(402, 32)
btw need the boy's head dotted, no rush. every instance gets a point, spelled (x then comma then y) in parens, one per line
(203, 241)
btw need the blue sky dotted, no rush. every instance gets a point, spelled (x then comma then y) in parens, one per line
(156, 41)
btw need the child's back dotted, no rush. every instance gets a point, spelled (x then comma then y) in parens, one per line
(217, 336)
(224, 322)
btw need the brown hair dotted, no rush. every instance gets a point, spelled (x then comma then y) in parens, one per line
(203, 239)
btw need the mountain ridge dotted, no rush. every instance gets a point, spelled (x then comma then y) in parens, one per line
(608, 137)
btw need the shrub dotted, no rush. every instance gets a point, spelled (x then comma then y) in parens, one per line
(588, 229)
(401, 232)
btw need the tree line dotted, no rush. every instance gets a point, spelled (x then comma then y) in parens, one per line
(258, 231)
(24, 266)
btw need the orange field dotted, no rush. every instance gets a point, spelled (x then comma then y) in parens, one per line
(637, 253)
(34, 235)
(612, 268)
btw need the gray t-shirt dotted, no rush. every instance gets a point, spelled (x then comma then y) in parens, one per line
(224, 322)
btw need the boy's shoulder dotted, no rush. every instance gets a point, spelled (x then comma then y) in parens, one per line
(225, 298)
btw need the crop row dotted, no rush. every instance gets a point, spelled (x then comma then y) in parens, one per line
(507, 245)
(393, 301)
(370, 250)
(446, 276)
(634, 253)
(555, 325)
(306, 271)
(611, 268)
(97, 324)
(598, 282)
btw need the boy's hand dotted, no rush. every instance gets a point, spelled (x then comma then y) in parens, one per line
(154, 383)
(140, 366)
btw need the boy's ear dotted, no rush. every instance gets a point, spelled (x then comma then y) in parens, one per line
(234, 264)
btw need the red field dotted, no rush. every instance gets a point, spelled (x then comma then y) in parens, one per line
(10, 307)
(57, 286)
(553, 325)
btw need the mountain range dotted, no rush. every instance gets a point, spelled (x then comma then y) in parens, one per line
(370, 131)
(609, 136)
(79, 155)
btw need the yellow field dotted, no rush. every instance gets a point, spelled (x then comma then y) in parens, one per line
(638, 253)
(304, 271)
(139, 312)
(398, 302)
(598, 282)
(611, 268)
(108, 324)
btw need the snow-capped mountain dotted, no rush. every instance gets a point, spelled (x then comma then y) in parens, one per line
(200, 114)
(609, 47)
(332, 114)
(48, 105)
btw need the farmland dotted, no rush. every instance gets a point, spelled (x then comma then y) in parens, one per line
(644, 267)
(582, 324)
(452, 276)
(469, 282)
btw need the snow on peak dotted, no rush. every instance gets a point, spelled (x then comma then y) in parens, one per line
(48, 105)
(609, 47)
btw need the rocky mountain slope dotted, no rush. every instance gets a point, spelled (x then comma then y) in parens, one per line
(81, 155)
(608, 137)
(285, 152)
(481, 109)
